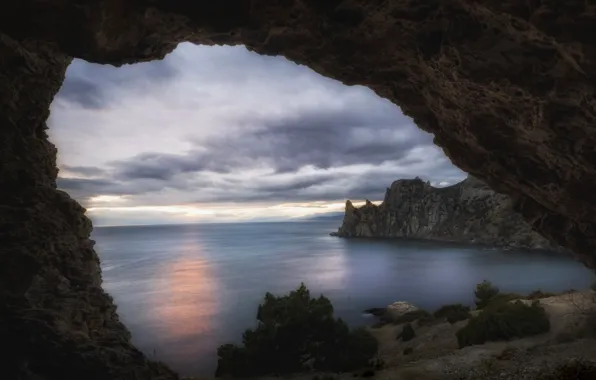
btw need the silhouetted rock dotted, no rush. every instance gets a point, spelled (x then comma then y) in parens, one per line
(468, 212)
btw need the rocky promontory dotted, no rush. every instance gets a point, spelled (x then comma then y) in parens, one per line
(467, 212)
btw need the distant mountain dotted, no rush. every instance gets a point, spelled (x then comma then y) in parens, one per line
(467, 212)
(337, 215)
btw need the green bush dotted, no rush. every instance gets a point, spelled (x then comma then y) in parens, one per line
(503, 298)
(411, 316)
(296, 332)
(427, 321)
(453, 313)
(484, 292)
(407, 333)
(538, 294)
(504, 322)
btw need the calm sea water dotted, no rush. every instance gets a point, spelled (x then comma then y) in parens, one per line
(184, 290)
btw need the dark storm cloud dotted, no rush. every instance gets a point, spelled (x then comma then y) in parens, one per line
(84, 92)
(322, 139)
(298, 183)
(90, 171)
(83, 189)
(288, 145)
(293, 187)
(86, 84)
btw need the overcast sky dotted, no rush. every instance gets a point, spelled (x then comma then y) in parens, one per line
(222, 134)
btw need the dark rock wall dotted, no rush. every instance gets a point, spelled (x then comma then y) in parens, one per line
(468, 212)
(507, 87)
(56, 322)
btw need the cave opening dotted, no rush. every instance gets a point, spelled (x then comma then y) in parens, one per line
(546, 162)
(199, 138)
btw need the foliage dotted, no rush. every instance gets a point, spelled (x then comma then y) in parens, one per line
(408, 350)
(484, 292)
(407, 333)
(427, 321)
(453, 313)
(503, 298)
(503, 322)
(411, 316)
(296, 332)
(538, 294)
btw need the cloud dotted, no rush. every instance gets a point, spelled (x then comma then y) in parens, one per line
(88, 85)
(322, 139)
(221, 125)
(87, 171)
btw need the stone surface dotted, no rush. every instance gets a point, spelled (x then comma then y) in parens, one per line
(56, 322)
(467, 212)
(399, 308)
(507, 87)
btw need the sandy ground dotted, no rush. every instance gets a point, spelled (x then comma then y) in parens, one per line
(436, 354)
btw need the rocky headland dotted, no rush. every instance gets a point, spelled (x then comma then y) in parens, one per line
(467, 212)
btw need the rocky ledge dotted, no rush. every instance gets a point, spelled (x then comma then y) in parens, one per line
(467, 212)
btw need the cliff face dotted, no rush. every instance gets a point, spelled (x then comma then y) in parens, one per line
(466, 212)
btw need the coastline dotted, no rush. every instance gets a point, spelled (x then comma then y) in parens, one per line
(468, 212)
(433, 354)
(451, 242)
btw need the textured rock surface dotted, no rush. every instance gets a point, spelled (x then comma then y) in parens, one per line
(507, 87)
(468, 212)
(56, 322)
(399, 308)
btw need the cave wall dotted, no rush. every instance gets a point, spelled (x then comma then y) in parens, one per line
(56, 322)
(507, 87)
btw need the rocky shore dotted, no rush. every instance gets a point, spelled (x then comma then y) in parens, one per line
(467, 212)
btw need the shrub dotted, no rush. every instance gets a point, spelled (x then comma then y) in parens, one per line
(502, 298)
(504, 322)
(484, 292)
(427, 321)
(407, 333)
(411, 316)
(453, 313)
(408, 351)
(378, 325)
(295, 332)
(538, 294)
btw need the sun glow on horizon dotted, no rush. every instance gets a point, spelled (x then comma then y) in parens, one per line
(215, 212)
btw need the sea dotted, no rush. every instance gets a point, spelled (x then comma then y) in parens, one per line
(184, 290)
